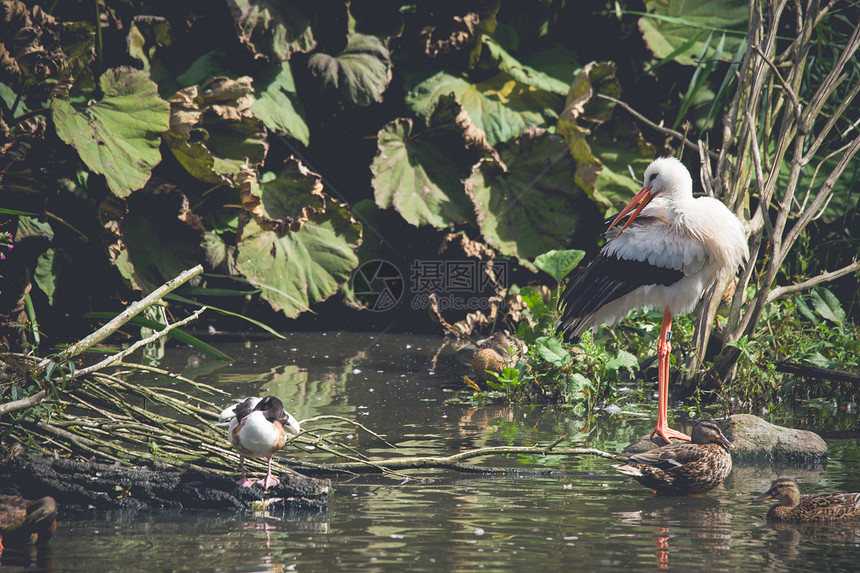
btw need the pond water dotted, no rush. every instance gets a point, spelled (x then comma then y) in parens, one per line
(578, 516)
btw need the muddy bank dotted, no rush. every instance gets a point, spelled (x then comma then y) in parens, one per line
(88, 484)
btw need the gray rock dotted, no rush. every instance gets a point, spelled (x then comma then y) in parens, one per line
(758, 440)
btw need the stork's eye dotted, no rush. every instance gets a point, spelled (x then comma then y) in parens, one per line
(652, 178)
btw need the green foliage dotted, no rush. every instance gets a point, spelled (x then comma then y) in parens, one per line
(808, 329)
(474, 117)
(678, 30)
(361, 72)
(518, 215)
(119, 135)
(558, 264)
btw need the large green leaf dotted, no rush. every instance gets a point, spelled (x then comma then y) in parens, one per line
(669, 26)
(286, 201)
(117, 136)
(419, 172)
(273, 29)
(556, 62)
(361, 72)
(500, 106)
(523, 73)
(553, 351)
(558, 264)
(827, 305)
(302, 267)
(603, 144)
(530, 207)
(212, 130)
(278, 105)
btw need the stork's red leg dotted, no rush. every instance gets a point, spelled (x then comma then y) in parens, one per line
(664, 351)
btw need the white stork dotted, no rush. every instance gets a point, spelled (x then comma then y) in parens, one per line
(667, 253)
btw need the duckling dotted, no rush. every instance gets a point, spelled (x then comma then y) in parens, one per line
(684, 467)
(257, 428)
(24, 521)
(823, 507)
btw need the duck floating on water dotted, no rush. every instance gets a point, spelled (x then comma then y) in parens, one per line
(823, 507)
(257, 428)
(25, 521)
(681, 468)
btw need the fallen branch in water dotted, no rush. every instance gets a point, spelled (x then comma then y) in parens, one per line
(453, 461)
(817, 372)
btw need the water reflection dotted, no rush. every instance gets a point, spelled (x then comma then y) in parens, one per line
(581, 517)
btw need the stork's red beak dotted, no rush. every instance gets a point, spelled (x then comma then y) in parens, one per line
(645, 197)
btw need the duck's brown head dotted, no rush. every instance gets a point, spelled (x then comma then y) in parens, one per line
(708, 432)
(784, 490)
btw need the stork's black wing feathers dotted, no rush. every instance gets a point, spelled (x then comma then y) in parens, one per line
(606, 279)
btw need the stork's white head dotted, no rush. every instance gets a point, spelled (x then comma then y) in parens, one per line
(667, 177)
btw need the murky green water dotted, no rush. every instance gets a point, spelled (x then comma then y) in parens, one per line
(580, 517)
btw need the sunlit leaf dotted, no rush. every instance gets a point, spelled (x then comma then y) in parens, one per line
(420, 171)
(285, 202)
(278, 105)
(669, 26)
(827, 305)
(500, 106)
(553, 351)
(119, 135)
(360, 73)
(530, 207)
(622, 360)
(212, 130)
(295, 268)
(523, 73)
(558, 264)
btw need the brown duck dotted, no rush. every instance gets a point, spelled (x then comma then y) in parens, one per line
(684, 467)
(823, 507)
(24, 521)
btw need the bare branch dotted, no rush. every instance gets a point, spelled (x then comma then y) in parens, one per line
(133, 310)
(676, 134)
(23, 403)
(824, 277)
(115, 358)
(797, 107)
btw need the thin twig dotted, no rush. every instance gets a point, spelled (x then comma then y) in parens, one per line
(676, 134)
(809, 283)
(113, 359)
(133, 310)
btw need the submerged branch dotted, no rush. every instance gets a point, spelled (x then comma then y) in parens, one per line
(453, 461)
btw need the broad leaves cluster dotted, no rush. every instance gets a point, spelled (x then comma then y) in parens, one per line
(175, 137)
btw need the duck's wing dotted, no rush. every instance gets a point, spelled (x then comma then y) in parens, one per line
(242, 408)
(668, 457)
(831, 506)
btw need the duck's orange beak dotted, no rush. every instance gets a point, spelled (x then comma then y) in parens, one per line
(645, 197)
